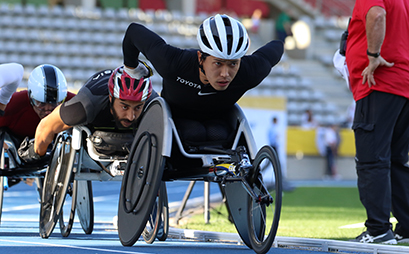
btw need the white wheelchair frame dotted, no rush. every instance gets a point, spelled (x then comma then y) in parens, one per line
(89, 165)
(159, 128)
(16, 167)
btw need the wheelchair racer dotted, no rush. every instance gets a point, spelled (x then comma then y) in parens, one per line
(22, 111)
(110, 100)
(202, 86)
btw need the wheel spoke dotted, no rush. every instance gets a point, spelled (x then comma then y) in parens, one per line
(265, 207)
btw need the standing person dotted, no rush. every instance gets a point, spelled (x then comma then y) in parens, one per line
(308, 120)
(273, 134)
(283, 26)
(23, 110)
(377, 57)
(273, 140)
(331, 142)
(202, 85)
(110, 100)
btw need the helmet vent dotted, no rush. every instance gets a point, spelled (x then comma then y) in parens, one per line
(127, 83)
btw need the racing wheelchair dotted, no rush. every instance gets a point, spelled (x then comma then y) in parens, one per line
(75, 162)
(11, 166)
(158, 154)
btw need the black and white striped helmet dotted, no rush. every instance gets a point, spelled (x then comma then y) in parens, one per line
(47, 84)
(223, 37)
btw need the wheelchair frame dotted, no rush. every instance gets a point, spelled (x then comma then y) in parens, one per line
(86, 165)
(18, 169)
(250, 204)
(250, 225)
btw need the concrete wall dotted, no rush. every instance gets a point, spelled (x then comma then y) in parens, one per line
(313, 168)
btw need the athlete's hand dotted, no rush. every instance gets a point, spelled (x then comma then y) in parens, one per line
(368, 72)
(141, 71)
(26, 151)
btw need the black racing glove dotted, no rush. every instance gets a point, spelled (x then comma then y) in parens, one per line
(26, 151)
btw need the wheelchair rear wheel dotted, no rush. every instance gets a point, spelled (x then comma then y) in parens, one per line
(264, 211)
(67, 214)
(143, 176)
(56, 181)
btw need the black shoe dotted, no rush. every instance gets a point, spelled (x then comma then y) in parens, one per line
(401, 238)
(386, 238)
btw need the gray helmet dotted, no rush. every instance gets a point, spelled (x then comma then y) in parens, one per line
(47, 84)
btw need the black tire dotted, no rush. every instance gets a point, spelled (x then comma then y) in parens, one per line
(142, 177)
(263, 217)
(67, 215)
(85, 205)
(163, 230)
(56, 181)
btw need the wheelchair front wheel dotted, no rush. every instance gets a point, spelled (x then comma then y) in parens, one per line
(56, 181)
(154, 220)
(164, 218)
(264, 210)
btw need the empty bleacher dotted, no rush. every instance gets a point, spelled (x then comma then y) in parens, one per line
(82, 42)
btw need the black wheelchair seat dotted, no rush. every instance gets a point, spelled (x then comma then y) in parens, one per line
(14, 166)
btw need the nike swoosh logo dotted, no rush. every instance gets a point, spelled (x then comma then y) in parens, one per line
(202, 94)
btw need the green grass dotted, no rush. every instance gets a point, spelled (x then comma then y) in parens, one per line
(312, 212)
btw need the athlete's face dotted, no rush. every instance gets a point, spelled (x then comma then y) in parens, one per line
(218, 72)
(126, 112)
(43, 109)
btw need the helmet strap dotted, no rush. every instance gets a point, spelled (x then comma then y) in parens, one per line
(201, 68)
(203, 57)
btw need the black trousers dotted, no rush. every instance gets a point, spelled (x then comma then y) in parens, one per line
(381, 127)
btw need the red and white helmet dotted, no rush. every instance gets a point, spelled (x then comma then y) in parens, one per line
(122, 86)
(223, 37)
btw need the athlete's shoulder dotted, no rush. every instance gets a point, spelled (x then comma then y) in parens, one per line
(101, 75)
(18, 102)
(20, 96)
(70, 95)
(98, 83)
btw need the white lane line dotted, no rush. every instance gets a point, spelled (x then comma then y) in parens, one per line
(361, 224)
(21, 207)
(74, 247)
(36, 206)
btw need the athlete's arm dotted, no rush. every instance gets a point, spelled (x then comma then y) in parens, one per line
(139, 39)
(271, 52)
(46, 130)
(257, 66)
(11, 75)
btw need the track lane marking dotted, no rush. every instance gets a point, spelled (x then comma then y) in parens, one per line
(74, 247)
